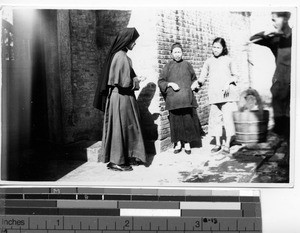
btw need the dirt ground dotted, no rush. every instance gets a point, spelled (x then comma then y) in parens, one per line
(260, 163)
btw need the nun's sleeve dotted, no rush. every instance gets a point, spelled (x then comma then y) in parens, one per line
(135, 80)
(120, 71)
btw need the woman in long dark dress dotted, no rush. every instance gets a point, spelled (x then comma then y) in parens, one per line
(122, 141)
(176, 83)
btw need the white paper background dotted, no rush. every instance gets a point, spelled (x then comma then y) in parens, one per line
(280, 206)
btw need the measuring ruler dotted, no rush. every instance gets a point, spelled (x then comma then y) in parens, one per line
(109, 210)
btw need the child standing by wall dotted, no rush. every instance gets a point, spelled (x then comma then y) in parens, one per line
(222, 93)
(175, 84)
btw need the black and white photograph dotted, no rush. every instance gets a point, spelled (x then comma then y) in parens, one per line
(159, 96)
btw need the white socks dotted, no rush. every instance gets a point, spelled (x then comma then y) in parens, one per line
(178, 146)
(187, 146)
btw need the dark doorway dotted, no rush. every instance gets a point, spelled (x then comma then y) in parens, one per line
(32, 149)
(24, 95)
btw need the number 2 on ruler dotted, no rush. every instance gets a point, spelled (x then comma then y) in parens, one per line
(126, 223)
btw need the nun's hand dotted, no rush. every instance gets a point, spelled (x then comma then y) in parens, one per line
(141, 78)
(174, 86)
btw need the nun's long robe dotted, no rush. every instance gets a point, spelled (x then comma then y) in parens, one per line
(122, 135)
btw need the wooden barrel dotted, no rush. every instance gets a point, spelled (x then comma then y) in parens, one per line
(251, 126)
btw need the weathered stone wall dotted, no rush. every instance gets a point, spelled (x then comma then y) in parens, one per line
(49, 45)
(83, 120)
(84, 37)
(64, 52)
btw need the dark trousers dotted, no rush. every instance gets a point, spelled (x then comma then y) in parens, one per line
(281, 106)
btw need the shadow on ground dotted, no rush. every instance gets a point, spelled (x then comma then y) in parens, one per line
(51, 162)
(261, 163)
(266, 162)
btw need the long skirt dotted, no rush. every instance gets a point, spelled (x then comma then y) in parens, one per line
(122, 135)
(185, 125)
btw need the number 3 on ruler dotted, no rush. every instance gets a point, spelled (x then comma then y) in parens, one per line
(197, 224)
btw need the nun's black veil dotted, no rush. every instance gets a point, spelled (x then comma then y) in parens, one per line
(123, 39)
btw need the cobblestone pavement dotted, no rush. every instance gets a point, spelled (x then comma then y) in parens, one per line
(259, 163)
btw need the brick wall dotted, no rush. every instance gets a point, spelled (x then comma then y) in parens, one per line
(195, 30)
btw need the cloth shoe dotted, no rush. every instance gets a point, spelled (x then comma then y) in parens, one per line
(187, 148)
(226, 151)
(135, 161)
(216, 149)
(178, 148)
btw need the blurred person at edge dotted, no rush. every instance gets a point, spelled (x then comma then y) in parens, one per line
(279, 40)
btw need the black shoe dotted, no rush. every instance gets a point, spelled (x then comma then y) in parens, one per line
(135, 161)
(120, 168)
(216, 149)
(177, 151)
(188, 151)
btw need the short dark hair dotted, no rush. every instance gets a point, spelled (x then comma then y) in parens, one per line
(285, 14)
(176, 45)
(223, 43)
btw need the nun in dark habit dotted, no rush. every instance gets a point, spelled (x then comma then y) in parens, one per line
(122, 140)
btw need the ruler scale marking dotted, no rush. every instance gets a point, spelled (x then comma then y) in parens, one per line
(57, 210)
